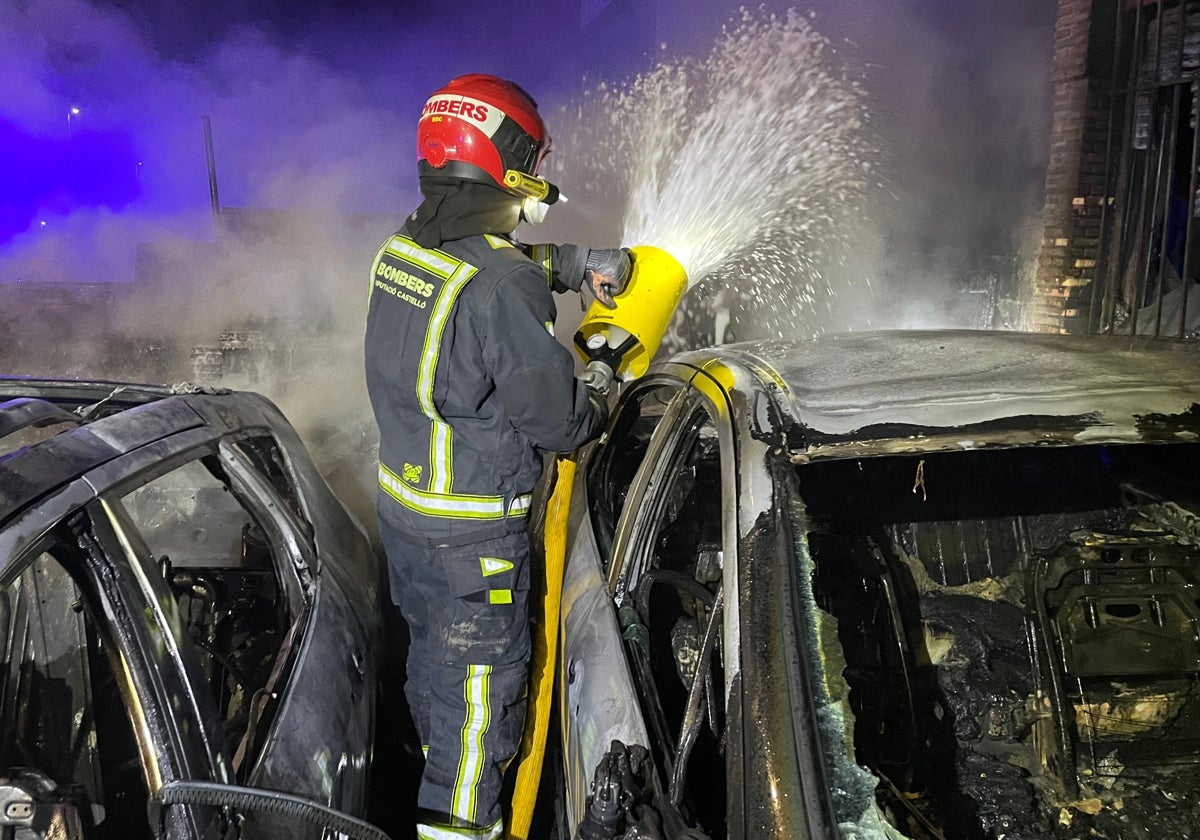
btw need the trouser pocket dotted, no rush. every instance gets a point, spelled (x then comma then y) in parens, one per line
(487, 619)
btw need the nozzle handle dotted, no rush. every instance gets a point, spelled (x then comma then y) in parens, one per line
(597, 376)
(605, 357)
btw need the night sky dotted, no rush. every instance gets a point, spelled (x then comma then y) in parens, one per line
(314, 104)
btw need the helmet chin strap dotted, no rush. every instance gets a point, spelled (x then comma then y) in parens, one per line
(533, 211)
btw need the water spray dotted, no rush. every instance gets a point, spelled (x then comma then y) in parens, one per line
(749, 166)
(621, 342)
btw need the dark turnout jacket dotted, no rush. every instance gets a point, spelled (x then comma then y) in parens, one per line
(468, 382)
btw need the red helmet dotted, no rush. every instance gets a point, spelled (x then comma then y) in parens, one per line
(477, 128)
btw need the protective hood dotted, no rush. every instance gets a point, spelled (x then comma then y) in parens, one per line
(454, 209)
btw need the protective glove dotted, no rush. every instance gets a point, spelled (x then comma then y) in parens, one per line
(599, 403)
(606, 272)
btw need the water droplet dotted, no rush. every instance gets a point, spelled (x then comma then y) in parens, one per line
(747, 165)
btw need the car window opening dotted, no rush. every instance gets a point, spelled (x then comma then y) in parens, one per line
(162, 572)
(224, 572)
(614, 466)
(1020, 639)
(265, 455)
(69, 745)
(672, 626)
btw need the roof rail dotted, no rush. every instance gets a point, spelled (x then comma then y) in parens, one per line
(23, 412)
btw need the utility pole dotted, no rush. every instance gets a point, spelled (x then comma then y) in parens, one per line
(212, 175)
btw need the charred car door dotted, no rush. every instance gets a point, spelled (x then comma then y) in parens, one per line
(661, 491)
(153, 614)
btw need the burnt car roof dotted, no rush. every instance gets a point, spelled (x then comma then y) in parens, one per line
(112, 419)
(80, 394)
(879, 392)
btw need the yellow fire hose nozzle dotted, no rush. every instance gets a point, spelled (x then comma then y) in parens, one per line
(626, 337)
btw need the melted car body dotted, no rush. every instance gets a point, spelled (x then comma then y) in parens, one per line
(190, 619)
(920, 585)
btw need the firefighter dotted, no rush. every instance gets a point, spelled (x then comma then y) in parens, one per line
(469, 387)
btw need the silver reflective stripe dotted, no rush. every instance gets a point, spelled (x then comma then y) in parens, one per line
(520, 505)
(450, 505)
(374, 268)
(476, 691)
(441, 456)
(442, 266)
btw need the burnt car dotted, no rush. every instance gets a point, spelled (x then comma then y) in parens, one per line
(190, 620)
(907, 584)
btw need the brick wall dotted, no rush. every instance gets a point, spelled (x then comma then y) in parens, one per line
(1075, 192)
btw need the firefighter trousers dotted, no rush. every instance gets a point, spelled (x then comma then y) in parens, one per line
(467, 612)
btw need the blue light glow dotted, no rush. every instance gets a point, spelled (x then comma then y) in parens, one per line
(52, 176)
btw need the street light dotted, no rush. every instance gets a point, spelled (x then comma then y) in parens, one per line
(74, 112)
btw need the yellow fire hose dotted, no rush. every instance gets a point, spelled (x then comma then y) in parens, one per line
(638, 322)
(545, 650)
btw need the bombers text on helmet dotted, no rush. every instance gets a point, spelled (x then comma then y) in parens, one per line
(480, 127)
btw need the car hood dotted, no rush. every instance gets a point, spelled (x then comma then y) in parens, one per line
(865, 393)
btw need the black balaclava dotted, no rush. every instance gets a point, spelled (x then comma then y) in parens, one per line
(454, 208)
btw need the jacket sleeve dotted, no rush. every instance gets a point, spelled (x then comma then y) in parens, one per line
(533, 373)
(562, 265)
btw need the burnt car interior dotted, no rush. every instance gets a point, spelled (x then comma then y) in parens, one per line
(223, 570)
(1021, 634)
(65, 682)
(669, 609)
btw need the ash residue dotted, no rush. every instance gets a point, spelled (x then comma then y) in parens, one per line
(993, 782)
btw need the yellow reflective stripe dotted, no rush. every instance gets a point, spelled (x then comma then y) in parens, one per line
(444, 832)
(543, 255)
(450, 505)
(440, 452)
(433, 337)
(374, 268)
(497, 241)
(499, 596)
(436, 262)
(473, 755)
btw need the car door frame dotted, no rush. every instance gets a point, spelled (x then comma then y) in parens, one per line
(641, 519)
(597, 698)
(154, 674)
(149, 675)
(696, 390)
